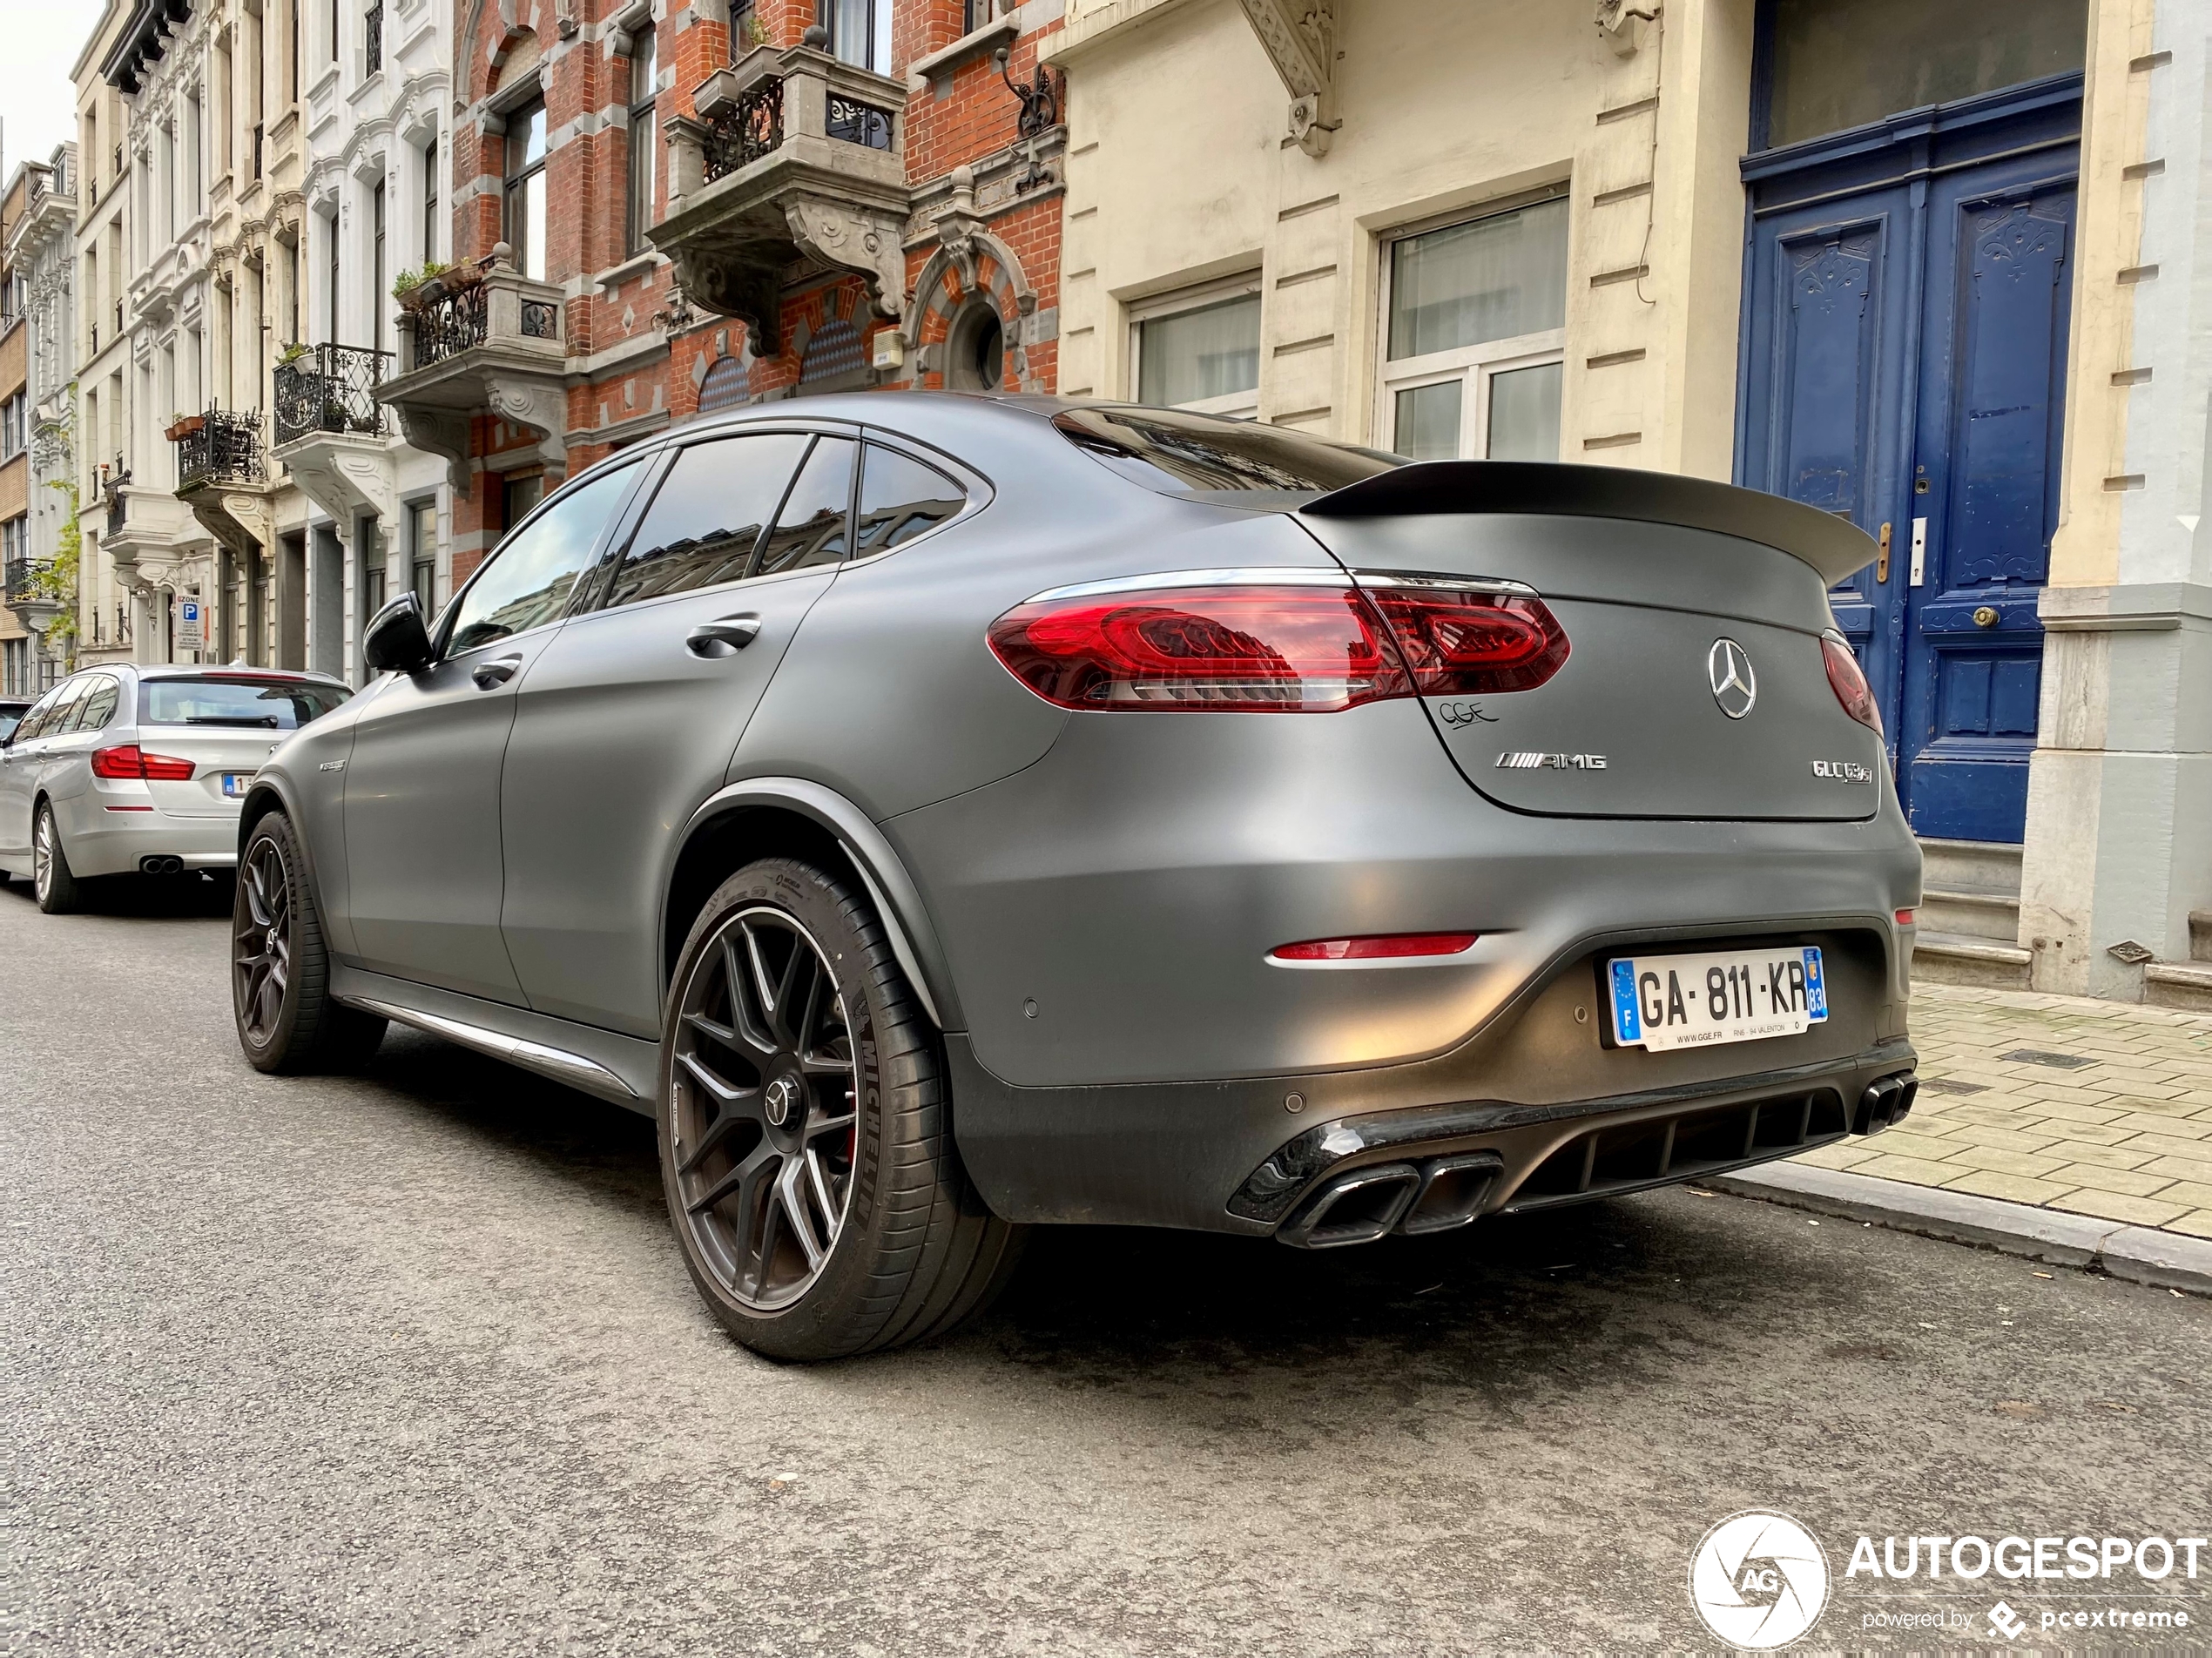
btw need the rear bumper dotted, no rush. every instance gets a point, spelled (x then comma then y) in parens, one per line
(100, 840)
(1566, 1116)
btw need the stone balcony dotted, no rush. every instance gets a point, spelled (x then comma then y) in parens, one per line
(223, 476)
(143, 524)
(333, 436)
(796, 162)
(488, 344)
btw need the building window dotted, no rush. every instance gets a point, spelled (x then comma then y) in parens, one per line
(422, 554)
(861, 33)
(1474, 337)
(330, 276)
(525, 216)
(15, 429)
(645, 136)
(431, 201)
(376, 282)
(726, 386)
(975, 350)
(1199, 350)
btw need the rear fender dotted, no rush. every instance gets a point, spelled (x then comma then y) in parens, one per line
(898, 901)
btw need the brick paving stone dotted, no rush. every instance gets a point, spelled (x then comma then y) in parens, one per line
(2130, 1183)
(2013, 1188)
(2198, 1225)
(2142, 1212)
(2190, 1169)
(2000, 1161)
(2195, 1193)
(1920, 1171)
(2097, 1156)
(2164, 1127)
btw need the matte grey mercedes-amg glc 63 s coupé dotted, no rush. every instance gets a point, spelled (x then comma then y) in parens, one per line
(946, 814)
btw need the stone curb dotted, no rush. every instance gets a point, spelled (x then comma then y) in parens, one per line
(2140, 1254)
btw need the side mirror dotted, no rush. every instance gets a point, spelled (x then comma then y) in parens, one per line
(397, 639)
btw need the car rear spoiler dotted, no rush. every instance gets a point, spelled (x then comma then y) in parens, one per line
(1835, 546)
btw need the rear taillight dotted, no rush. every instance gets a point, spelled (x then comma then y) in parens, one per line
(1261, 649)
(1460, 642)
(126, 760)
(1377, 947)
(1269, 647)
(1848, 680)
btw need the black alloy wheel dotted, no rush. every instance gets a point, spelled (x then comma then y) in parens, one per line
(261, 938)
(280, 967)
(806, 1139)
(765, 1106)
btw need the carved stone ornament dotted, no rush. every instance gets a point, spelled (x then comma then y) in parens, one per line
(856, 240)
(438, 431)
(536, 405)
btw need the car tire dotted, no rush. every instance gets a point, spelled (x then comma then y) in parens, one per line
(841, 1220)
(59, 891)
(281, 1001)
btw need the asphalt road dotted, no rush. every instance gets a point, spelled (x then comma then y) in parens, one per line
(409, 1363)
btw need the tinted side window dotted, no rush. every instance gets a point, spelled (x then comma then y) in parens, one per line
(95, 707)
(900, 498)
(810, 527)
(34, 723)
(529, 580)
(61, 706)
(706, 518)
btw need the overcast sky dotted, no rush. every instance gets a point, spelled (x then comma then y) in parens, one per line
(39, 39)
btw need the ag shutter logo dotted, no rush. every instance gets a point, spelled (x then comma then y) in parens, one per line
(1759, 1580)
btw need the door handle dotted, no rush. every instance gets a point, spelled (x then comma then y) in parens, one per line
(724, 637)
(1882, 557)
(498, 671)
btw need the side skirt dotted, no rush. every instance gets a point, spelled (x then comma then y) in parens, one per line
(619, 1068)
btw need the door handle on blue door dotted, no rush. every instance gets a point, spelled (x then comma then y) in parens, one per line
(721, 638)
(498, 671)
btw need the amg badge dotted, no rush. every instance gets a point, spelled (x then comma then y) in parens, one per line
(1560, 762)
(1844, 771)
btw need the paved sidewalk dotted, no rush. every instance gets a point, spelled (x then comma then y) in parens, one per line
(2091, 1108)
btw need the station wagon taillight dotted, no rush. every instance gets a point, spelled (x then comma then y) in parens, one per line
(1268, 647)
(1386, 947)
(126, 760)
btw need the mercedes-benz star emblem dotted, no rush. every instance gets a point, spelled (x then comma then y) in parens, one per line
(778, 1101)
(1728, 665)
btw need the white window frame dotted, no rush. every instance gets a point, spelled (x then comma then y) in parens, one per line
(1474, 366)
(1243, 405)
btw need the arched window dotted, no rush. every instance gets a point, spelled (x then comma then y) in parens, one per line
(834, 350)
(726, 386)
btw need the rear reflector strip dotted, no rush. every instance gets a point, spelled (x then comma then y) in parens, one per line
(1904, 918)
(1387, 946)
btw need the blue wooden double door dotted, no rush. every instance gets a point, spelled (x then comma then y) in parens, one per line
(1906, 295)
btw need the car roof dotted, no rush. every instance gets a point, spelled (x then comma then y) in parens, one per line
(222, 671)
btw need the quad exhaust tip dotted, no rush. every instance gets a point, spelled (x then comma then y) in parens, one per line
(161, 863)
(1885, 1103)
(1361, 1205)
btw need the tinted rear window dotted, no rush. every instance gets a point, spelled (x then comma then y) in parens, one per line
(253, 704)
(1180, 452)
(9, 718)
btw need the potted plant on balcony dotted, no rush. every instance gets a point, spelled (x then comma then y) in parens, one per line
(415, 289)
(291, 354)
(182, 426)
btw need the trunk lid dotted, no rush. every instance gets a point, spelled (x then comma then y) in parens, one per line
(1695, 686)
(226, 725)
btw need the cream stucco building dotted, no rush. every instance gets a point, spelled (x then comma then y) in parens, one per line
(1936, 269)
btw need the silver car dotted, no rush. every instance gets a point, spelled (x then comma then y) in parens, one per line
(947, 814)
(131, 770)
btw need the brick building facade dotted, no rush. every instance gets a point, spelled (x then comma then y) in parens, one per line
(661, 207)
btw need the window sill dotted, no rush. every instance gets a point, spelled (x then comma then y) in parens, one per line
(639, 265)
(948, 58)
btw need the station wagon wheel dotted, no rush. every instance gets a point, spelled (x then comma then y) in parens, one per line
(261, 952)
(764, 1107)
(57, 888)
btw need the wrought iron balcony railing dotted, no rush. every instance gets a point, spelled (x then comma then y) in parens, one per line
(853, 122)
(224, 448)
(750, 127)
(450, 325)
(332, 389)
(20, 581)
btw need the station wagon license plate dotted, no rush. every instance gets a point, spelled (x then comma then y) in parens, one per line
(1667, 1001)
(235, 784)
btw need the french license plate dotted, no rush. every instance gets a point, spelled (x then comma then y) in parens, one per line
(1666, 1002)
(235, 784)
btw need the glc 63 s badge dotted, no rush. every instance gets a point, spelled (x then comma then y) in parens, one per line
(1844, 771)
